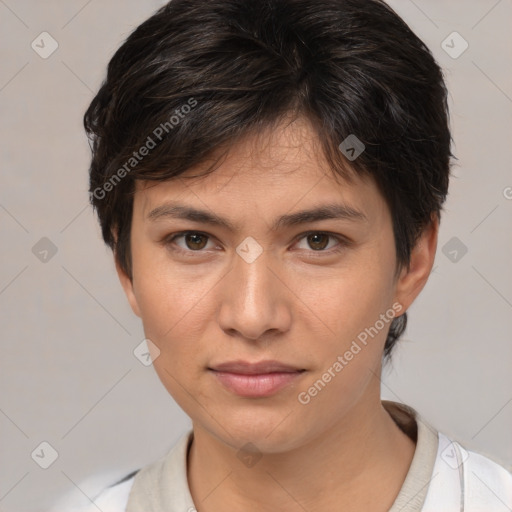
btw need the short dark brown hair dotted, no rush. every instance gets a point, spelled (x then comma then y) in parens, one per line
(198, 75)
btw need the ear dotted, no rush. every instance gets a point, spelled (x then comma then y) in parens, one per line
(127, 284)
(412, 280)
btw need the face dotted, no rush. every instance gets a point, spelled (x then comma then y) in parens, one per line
(315, 292)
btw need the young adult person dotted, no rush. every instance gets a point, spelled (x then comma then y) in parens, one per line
(270, 176)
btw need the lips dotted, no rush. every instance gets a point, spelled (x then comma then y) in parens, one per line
(262, 367)
(255, 380)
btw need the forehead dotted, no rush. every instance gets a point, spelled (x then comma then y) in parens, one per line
(280, 166)
(279, 149)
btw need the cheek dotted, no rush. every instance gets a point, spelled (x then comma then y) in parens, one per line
(349, 352)
(352, 298)
(170, 295)
(177, 304)
(173, 318)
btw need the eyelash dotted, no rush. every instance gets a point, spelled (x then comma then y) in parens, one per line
(343, 242)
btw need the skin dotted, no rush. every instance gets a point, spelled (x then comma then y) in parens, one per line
(300, 303)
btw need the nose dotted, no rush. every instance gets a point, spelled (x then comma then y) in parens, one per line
(255, 300)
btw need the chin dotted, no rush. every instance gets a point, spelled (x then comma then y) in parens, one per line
(269, 433)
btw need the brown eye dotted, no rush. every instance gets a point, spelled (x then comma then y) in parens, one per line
(195, 241)
(318, 241)
(321, 243)
(187, 242)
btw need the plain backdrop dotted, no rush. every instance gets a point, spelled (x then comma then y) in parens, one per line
(68, 373)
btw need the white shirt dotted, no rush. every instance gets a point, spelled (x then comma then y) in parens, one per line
(443, 477)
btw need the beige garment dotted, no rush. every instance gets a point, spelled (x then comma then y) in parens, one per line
(163, 486)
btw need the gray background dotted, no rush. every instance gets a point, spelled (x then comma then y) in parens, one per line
(68, 374)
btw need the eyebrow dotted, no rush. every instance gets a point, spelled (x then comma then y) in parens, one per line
(323, 212)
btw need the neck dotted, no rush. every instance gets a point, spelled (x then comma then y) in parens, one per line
(360, 463)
